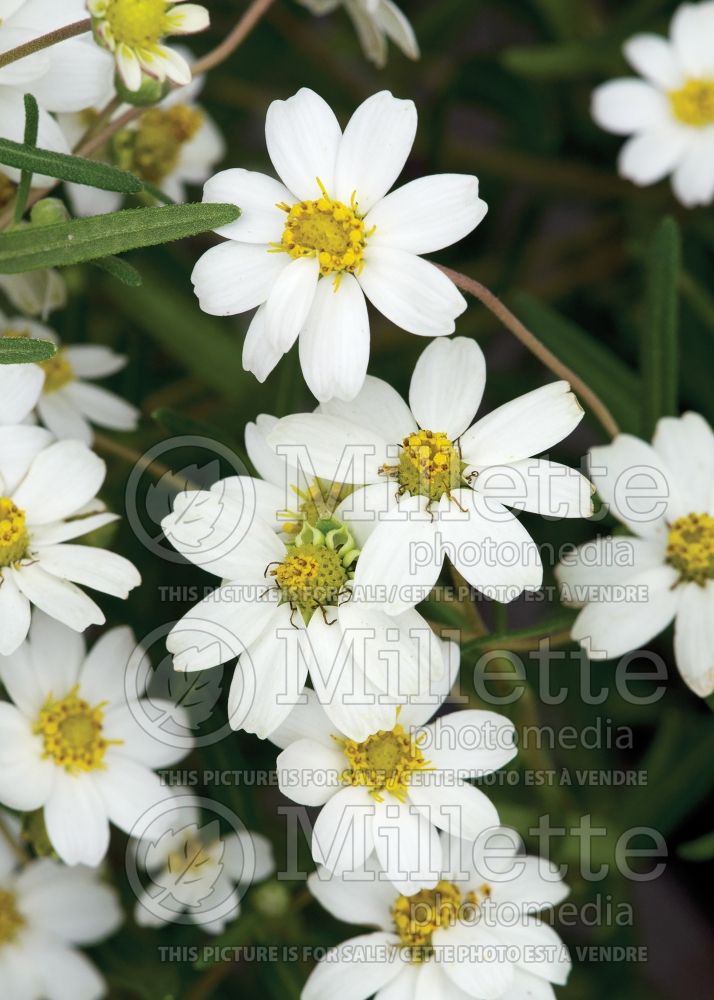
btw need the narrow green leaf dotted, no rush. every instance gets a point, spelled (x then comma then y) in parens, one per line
(181, 424)
(103, 235)
(32, 119)
(698, 298)
(24, 350)
(701, 849)
(504, 640)
(659, 344)
(613, 381)
(68, 168)
(119, 269)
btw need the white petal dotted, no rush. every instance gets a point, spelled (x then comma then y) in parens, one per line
(26, 779)
(49, 134)
(128, 789)
(542, 953)
(335, 975)
(523, 427)
(76, 820)
(235, 277)
(257, 196)
(248, 857)
(488, 976)
(693, 179)
(67, 974)
(103, 408)
(56, 653)
(58, 598)
(395, 24)
(309, 772)
(537, 485)
(427, 214)
(14, 614)
(694, 638)
(376, 406)
(609, 628)
(637, 486)
(654, 58)
(533, 885)
(407, 845)
(91, 567)
(20, 388)
(94, 360)
(629, 106)
(605, 562)
(267, 464)
(470, 743)
(649, 156)
(80, 76)
(72, 905)
(289, 302)
(411, 292)
(686, 445)
(377, 141)
(338, 451)
(18, 448)
(110, 668)
(528, 987)
(57, 412)
(303, 136)
(447, 385)
(458, 807)
(367, 507)
(63, 531)
(259, 355)
(334, 343)
(306, 721)
(342, 834)
(61, 480)
(691, 32)
(366, 901)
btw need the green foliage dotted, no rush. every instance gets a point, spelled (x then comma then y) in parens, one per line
(25, 350)
(659, 346)
(77, 169)
(32, 117)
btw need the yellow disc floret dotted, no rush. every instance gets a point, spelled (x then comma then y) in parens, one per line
(384, 762)
(690, 547)
(152, 149)
(139, 24)
(429, 465)
(58, 371)
(13, 532)
(11, 920)
(73, 733)
(417, 917)
(693, 103)
(329, 230)
(312, 576)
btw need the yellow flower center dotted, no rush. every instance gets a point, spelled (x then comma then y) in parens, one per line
(318, 501)
(417, 917)
(58, 371)
(152, 150)
(14, 538)
(429, 465)
(312, 576)
(137, 23)
(327, 229)
(72, 732)
(190, 859)
(384, 762)
(11, 920)
(690, 548)
(693, 103)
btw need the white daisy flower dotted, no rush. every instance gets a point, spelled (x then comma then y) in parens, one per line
(477, 933)
(46, 911)
(134, 33)
(47, 498)
(664, 494)
(198, 871)
(375, 21)
(36, 293)
(171, 145)
(670, 113)
(437, 487)
(308, 250)
(393, 790)
(69, 76)
(285, 609)
(71, 743)
(66, 403)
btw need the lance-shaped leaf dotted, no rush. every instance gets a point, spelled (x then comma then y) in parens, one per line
(119, 269)
(659, 343)
(64, 167)
(24, 350)
(104, 235)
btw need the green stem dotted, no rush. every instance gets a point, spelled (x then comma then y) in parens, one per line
(30, 138)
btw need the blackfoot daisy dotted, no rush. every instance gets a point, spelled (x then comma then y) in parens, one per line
(376, 22)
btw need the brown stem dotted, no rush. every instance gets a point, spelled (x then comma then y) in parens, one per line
(231, 42)
(531, 342)
(44, 41)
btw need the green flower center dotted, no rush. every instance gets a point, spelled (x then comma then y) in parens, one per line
(690, 548)
(152, 149)
(429, 465)
(693, 103)
(384, 762)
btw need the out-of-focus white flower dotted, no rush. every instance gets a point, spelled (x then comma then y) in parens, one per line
(47, 498)
(72, 743)
(375, 22)
(670, 113)
(36, 293)
(134, 34)
(431, 485)
(66, 403)
(46, 910)
(171, 145)
(477, 933)
(308, 250)
(634, 587)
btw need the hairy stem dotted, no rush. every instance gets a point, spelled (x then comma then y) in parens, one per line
(45, 41)
(539, 350)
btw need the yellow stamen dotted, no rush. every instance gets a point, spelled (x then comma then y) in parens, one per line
(73, 733)
(429, 465)
(11, 920)
(693, 103)
(384, 762)
(58, 371)
(139, 24)
(690, 548)
(14, 538)
(152, 149)
(311, 576)
(417, 917)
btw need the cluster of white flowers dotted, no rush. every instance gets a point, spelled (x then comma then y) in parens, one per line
(323, 557)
